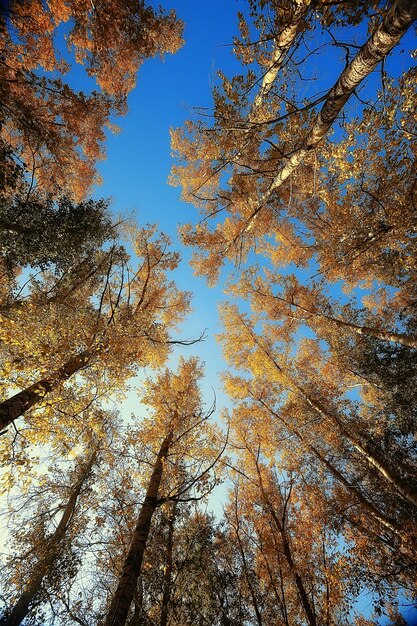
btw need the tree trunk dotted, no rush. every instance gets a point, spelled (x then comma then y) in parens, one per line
(52, 551)
(407, 491)
(282, 45)
(384, 468)
(166, 597)
(410, 341)
(246, 568)
(397, 20)
(361, 499)
(139, 617)
(308, 609)
(18, 404)
(123, 596)
(15, 228)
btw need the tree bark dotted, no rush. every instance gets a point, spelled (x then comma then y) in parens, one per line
(370, 508)
(14, 407)
(166, 597)
(282, 45)
(397, 20)
(123, 596)
(28, 598)
(410, 341)
(385, 335)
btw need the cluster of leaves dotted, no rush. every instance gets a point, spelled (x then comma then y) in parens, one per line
(55, 132)
(322, 362)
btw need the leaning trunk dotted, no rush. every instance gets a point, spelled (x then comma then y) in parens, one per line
(282, 45)
(402, 485)
(21, 402)
(396, 22)
(52, 551)
(356, 494)
(410, 341)
(123, 596)
(247, 574)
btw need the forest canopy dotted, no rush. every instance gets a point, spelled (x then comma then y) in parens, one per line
(276, 486)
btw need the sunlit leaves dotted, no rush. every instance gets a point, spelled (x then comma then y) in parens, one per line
(55, 131)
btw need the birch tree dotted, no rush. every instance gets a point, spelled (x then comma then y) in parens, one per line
(244, 188)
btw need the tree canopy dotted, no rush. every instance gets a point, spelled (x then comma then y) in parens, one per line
(130, 496)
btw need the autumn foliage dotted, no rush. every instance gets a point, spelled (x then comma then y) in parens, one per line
(58, 133)
(306, 201)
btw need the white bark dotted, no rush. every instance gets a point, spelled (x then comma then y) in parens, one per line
(396, 22)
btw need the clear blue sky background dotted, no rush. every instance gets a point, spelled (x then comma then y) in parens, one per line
(139, 158)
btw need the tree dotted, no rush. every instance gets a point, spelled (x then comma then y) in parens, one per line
(235, 167)
(263, 360)
(39, 232)
(125, 327)
(285, 400)
(205, 581)
(49, 550)
(131, 569)
(179, 419)
(286, 529)
(307, 304)
(53, 131)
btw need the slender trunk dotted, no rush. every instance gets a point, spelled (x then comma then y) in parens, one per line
(368, 506)
(359, 497)
(52, 551)
(397, 20)
(283, 44)
(21, 402)
(384, 468)
(272, 581)
(410, 341)
(123, 596)
(373, 511)
(403, 339)
(308, 609)
(325, 570)
(281, 581)
(247, 576)
(166, 597)
(407, 491)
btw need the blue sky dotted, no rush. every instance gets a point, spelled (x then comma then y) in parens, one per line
(138, 162)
